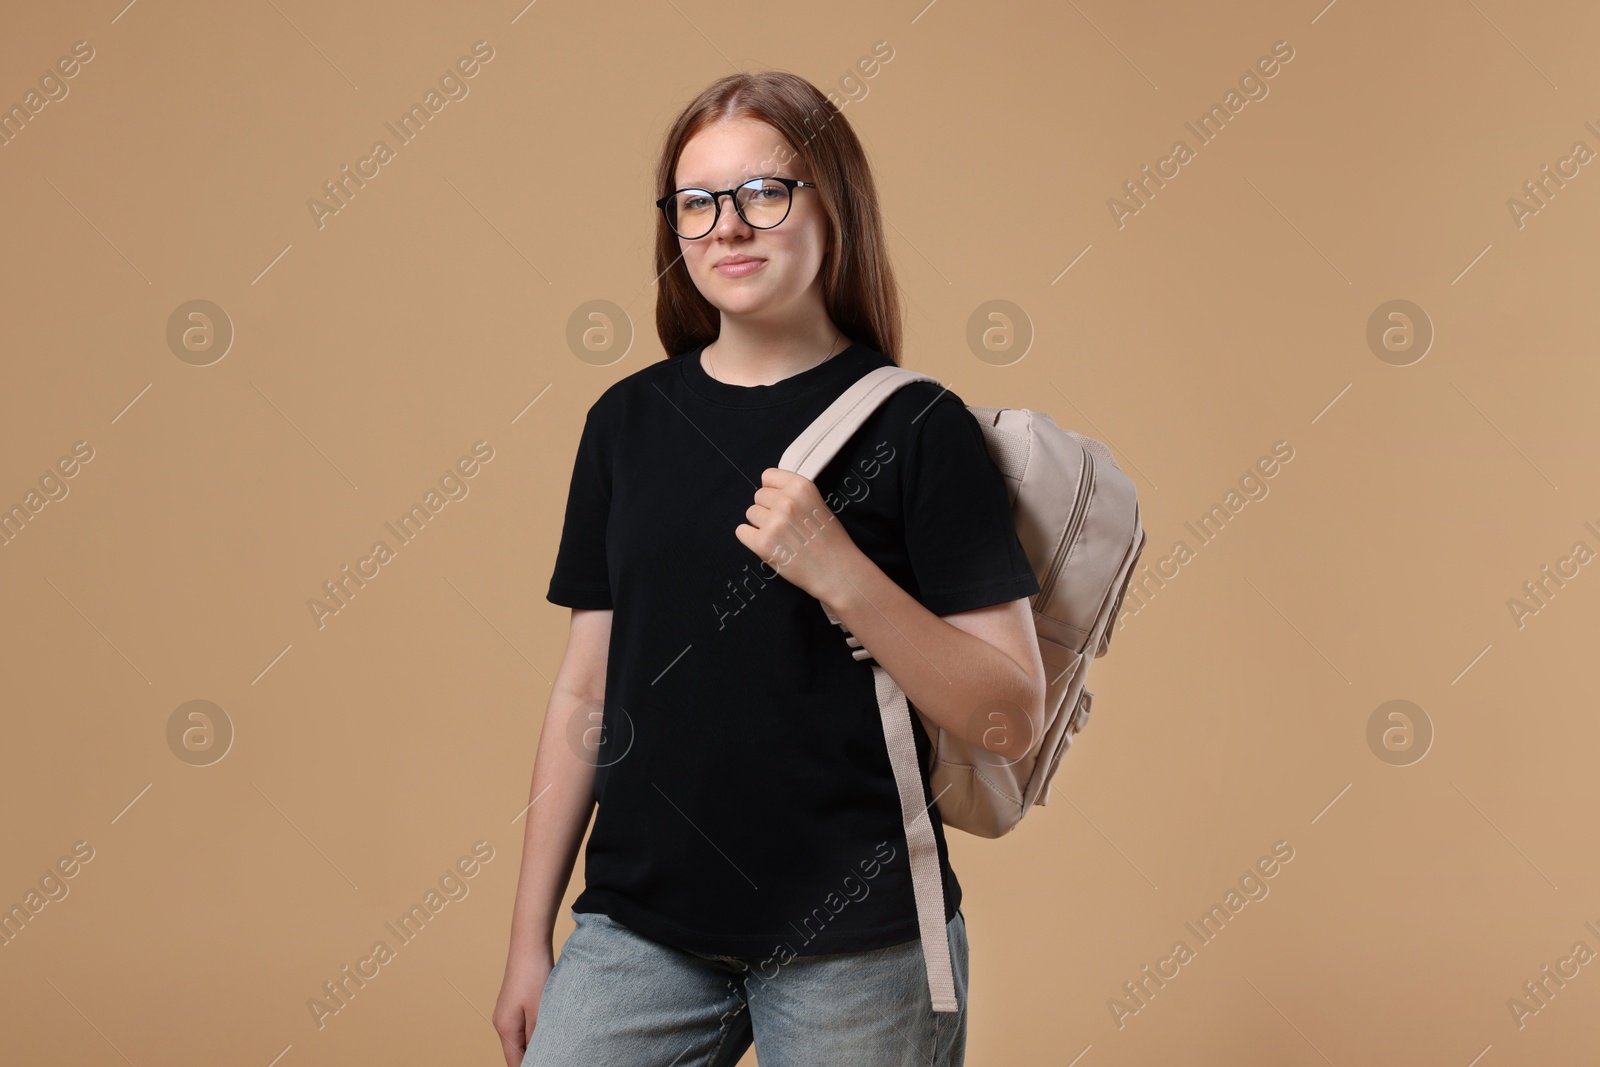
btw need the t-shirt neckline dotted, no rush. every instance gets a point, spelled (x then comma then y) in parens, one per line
(781, 391)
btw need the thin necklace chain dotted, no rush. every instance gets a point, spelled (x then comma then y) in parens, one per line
(825, 359)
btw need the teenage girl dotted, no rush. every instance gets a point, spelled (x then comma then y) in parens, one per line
(747, 878)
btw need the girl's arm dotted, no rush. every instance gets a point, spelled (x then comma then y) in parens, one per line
(975, 673)
(562, 793)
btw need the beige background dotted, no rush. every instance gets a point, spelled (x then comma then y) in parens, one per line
(1229, 314)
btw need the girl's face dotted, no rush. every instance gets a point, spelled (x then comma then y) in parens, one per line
(722, 156)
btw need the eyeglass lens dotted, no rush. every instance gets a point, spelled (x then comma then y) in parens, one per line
(763, 203)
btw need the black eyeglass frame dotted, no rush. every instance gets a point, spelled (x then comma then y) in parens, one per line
(716, 199)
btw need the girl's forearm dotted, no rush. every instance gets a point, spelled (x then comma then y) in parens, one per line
(958, 680)
(561, 802)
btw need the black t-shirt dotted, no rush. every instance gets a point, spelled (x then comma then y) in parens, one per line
(746, 803)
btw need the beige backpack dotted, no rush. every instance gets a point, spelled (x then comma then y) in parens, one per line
(1077, 517)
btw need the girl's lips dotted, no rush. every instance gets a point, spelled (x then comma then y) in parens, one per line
(739, 270)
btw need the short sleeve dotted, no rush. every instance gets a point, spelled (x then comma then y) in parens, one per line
(960, 536)
(580, 578)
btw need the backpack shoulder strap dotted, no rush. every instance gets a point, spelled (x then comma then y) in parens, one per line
(821, 441)
(810, 452)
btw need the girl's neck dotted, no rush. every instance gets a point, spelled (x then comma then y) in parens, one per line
(742, 359)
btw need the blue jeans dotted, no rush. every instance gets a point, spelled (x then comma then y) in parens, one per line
(620, 999)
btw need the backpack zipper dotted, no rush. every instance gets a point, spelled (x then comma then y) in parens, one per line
(1080, 506)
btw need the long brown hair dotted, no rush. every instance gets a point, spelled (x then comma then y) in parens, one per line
(858, 286)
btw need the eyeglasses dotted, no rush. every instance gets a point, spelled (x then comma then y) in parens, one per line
(760, 202)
